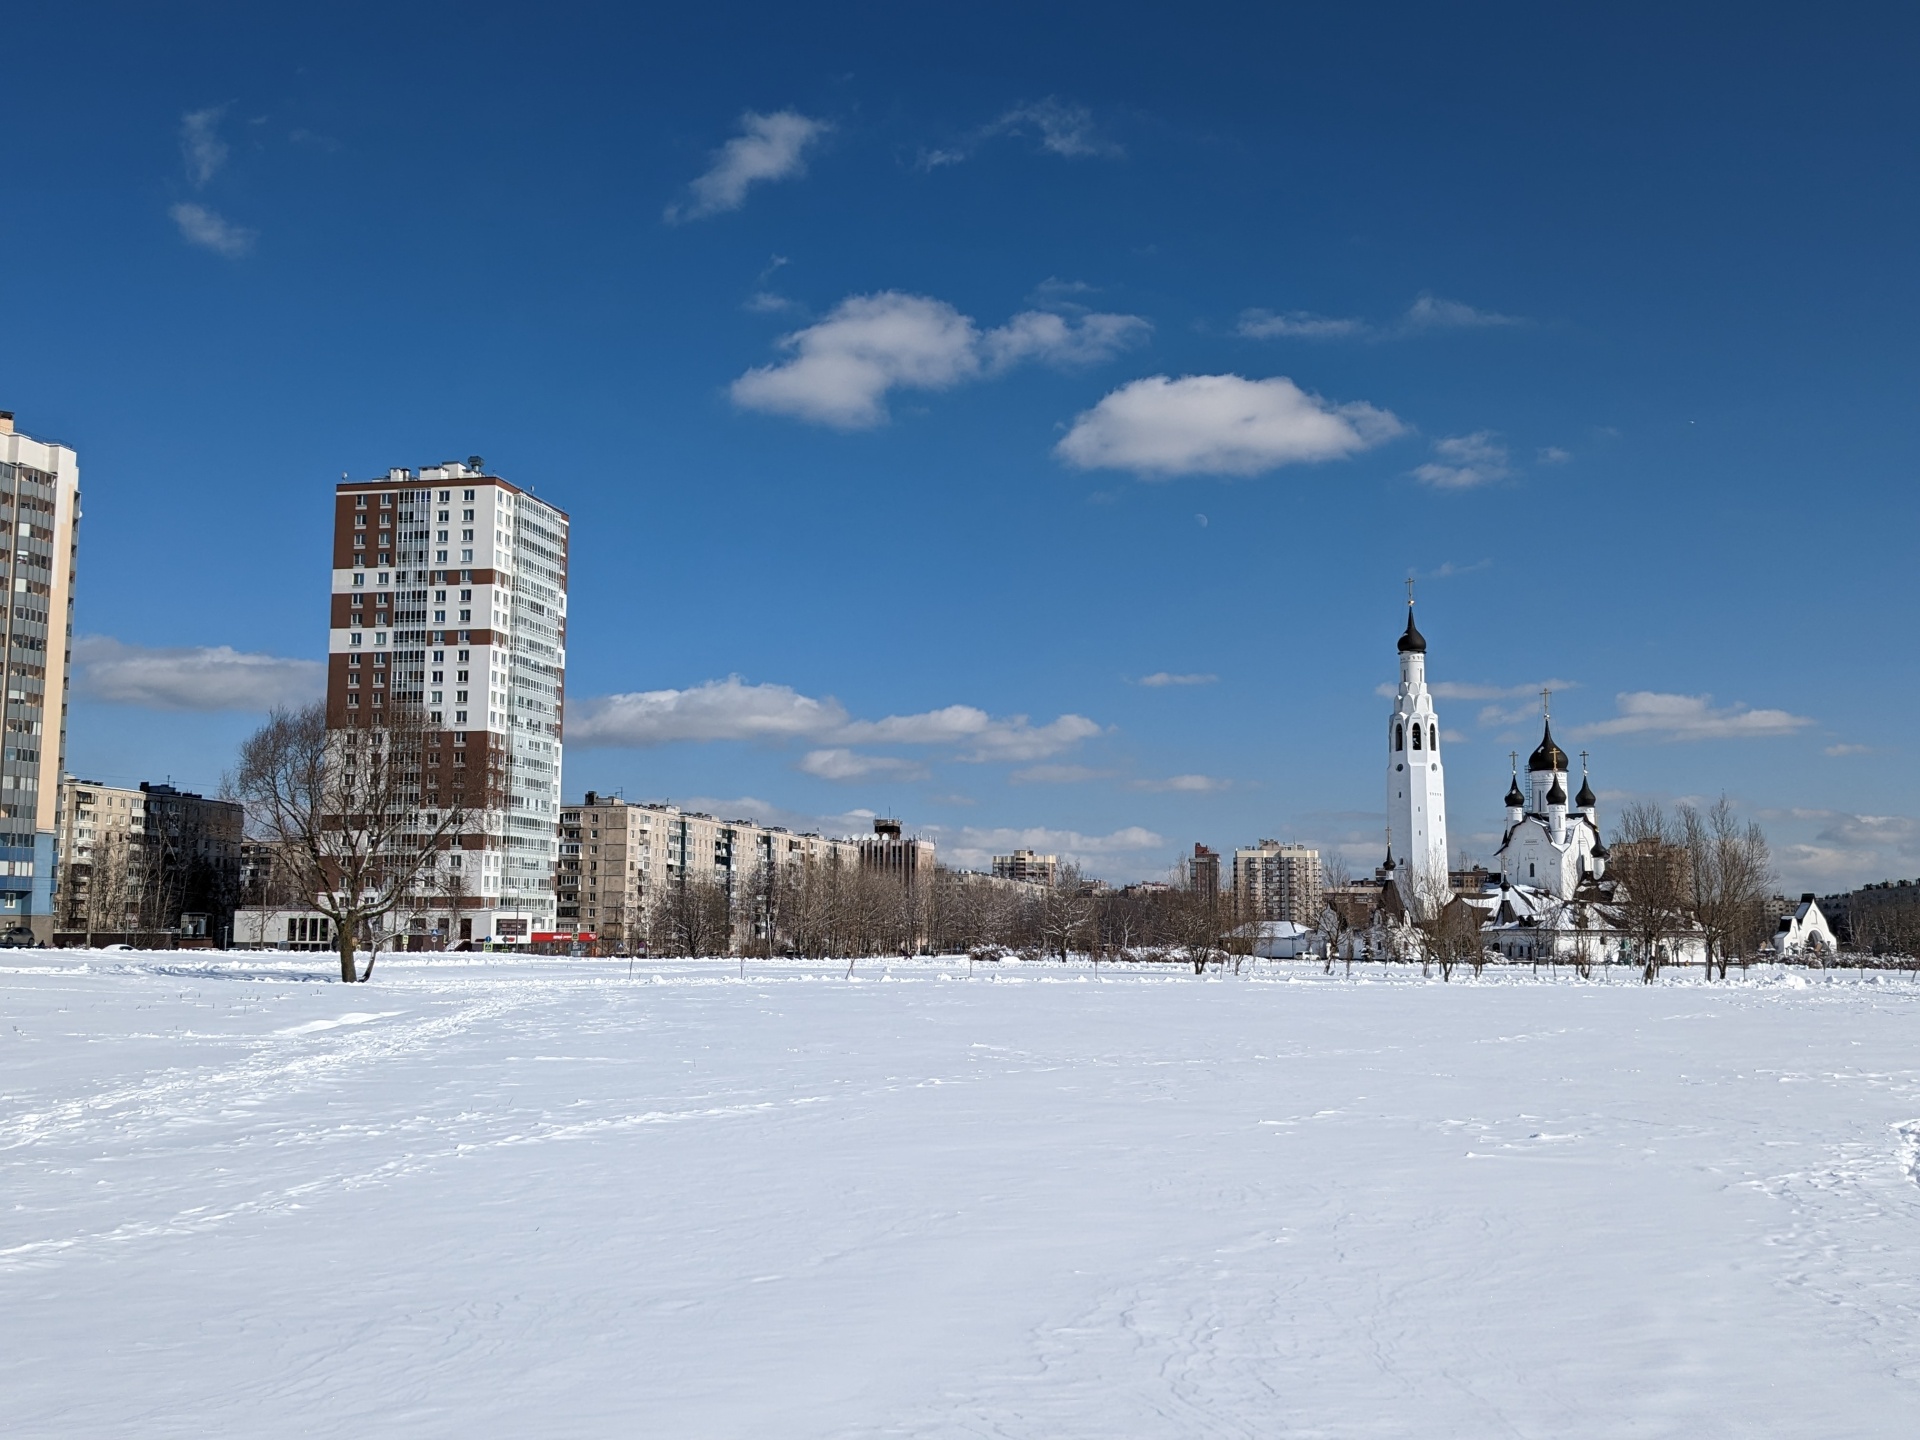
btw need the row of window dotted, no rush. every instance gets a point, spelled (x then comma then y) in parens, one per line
(446, 496)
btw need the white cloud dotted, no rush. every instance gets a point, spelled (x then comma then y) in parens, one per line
(733, 709)
(1448, 570)
(1690, 717)
(1430, 312)
(1265, 325)
(205, 677)
(1183, 785)
(1161, 678)
(1848, 749)
(1057, 775)
(1465, 461)
(1057, 340)
(1065, 130)
(765, 302)
(201, 226)
(841, 764)
(201, 146)
(1218, 424)
(842, 368)
(768, 147)
(1553, 455)
(729, 709)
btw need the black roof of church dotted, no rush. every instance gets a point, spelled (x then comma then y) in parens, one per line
(1548, 756)
(1558, 794)
(1514, 798)
(1585, 798)
(1413, 641)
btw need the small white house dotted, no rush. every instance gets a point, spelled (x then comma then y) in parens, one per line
(261, 928)
(1282, 939)
(1804, 932)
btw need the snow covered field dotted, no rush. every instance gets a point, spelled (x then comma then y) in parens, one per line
(492, 1197)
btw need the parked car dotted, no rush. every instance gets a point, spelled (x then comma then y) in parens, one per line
(20, 937)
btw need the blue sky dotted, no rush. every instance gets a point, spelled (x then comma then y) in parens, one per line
(925, 385)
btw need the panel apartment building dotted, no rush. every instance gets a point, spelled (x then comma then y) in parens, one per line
(40, 508)
(450, 593)
(618, 857)
(1279, 882)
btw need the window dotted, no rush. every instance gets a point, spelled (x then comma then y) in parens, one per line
(439, 597)
(360, 579)
(461, 676)
(386, 503)
(360, 522)
(439, 657)
(463, 655)
(354, 639)
(361, 503)
(466, 614)
(445, 495)
(1433, 737)
(1416, 736)
(465, 595)
(354, 661)
(466, 535)
(466, 494)
(1399, 737)
(467, 514)
(439, 676)
(466, 554)
(443, 534)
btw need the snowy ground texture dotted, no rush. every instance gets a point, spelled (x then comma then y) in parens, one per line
(507, 1198)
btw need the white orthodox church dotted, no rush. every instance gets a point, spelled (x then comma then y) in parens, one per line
(1553, 897)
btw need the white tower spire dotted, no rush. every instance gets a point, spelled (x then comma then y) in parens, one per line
(1416, 783)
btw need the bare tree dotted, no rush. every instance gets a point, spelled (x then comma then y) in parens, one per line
(343, 809)
(1732, 876)
(691, 917)
(1653, 890)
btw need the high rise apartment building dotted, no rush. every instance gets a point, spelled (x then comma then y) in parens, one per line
(1279, 882)
(450, 594)
(40, 510)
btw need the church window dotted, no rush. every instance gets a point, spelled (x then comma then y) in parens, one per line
(1399, 737)
(1416, 737)
(1433, 737)
(1529, 869)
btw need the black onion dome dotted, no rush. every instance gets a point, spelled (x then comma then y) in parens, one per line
(1413, 642)
(1515, 800)
(1584, 799)
(1549, 756)
(1558, 794)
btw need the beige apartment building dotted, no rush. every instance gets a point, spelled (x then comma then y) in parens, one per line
(1279, 882)
(617, 857)
(40, 510)
(100, 830)
(1027, 868)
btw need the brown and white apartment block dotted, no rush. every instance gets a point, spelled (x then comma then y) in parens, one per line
(450, 593)
(40, 510)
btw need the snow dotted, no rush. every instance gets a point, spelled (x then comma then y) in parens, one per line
(500, 1197)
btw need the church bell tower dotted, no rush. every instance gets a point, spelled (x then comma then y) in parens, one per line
(1416, 784)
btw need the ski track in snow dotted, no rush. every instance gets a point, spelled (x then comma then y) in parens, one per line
(497, 1197)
